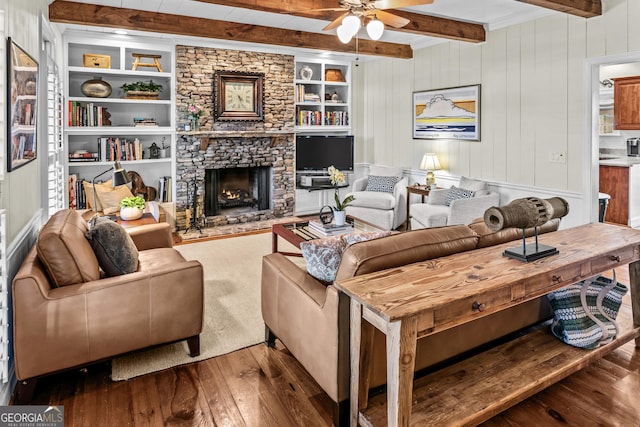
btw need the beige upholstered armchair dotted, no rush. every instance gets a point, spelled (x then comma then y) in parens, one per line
(380, 197)
(456, 205)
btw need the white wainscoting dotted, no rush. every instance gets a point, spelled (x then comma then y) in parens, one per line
(16, 253)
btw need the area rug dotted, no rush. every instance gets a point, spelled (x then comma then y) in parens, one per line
(232, 315)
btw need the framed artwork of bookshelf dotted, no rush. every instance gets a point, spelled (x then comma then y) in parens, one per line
(22, 82)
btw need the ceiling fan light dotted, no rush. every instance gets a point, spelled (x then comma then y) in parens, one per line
(343, 34)
(352, 24)
(375, 27)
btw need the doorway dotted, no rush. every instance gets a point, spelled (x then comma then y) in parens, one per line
(598, 71)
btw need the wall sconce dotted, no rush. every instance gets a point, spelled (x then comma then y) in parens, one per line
(430, 163)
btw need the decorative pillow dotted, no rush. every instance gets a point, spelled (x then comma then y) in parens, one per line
(383, 184)
(455, 193)
(114, 248)
(88, 191)
(323, 257)
(350, 239)
(110, 197)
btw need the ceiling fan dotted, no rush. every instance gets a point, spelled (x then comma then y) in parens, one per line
(349, 23)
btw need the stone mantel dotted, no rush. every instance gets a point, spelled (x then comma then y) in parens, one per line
(237, 133)
(206, 136)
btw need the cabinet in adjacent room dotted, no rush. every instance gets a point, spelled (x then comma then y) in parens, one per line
(627, 103)
(621, 184)
(101, 127)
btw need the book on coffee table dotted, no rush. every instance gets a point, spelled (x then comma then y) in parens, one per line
(330, 229)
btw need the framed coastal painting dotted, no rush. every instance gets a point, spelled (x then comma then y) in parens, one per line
(449, 113)
(22, 84)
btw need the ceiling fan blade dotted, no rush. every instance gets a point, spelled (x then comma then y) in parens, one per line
(397, 4)
(336, 22)
(389, 19)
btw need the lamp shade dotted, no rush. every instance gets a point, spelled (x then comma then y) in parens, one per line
(343, 34)
(351, 24)
(375, 27)
(430, 162)
(120, 176)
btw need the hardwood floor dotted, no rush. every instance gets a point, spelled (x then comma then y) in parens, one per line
(261, 386)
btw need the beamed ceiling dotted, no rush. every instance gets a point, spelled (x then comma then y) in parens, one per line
(291, 23)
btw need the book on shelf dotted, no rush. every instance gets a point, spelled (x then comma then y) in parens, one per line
(88, 114)
(83, 156)
(115, 148)
(73, 178)
(330, 229)
(165, 189)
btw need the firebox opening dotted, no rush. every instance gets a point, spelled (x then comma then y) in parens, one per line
(237, 190)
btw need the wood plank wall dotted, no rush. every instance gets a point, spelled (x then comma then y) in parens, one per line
(532, 98)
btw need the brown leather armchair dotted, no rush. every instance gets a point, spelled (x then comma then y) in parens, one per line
(66, 314)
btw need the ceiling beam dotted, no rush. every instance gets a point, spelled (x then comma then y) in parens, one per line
(584, 8)
(420, 24)
(114, 17)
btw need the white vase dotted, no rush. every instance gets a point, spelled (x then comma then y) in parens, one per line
(339, 217)
(128, 214)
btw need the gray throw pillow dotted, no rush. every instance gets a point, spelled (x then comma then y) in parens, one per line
(455, 193)
(114, 248)
(383, 184)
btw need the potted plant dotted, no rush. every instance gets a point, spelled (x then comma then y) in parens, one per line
(131, 208)
(338, 178)
(141, 89)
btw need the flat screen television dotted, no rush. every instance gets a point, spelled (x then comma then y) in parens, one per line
(318, 152)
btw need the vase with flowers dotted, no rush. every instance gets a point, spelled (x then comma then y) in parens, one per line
(337, 178)
(194, 111)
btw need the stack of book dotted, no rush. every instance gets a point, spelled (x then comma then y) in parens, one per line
(144, 121)
(330, 229)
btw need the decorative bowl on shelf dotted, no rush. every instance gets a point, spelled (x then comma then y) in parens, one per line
(96, 88)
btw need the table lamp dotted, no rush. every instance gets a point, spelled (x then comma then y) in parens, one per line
(430, 163)
(119, 177)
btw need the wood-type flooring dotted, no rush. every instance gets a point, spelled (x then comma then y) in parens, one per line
(260, 386)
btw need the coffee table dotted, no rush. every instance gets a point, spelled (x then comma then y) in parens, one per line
(299, 231)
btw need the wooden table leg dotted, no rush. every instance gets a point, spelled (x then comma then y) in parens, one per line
(634, 285)
(354, 340)
(401, 361)
(274, 243)
(407, 225)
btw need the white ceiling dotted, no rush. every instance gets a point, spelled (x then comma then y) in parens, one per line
(493, 14)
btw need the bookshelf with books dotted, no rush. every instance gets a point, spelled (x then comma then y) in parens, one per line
(102, 126)
(322, 95)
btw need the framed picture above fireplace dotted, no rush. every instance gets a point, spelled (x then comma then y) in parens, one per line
(238, 96)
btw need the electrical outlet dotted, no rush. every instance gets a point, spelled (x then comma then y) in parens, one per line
(558, 157)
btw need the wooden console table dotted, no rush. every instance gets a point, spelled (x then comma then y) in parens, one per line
(425, 298)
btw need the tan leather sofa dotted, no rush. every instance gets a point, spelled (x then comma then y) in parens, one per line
(312, 319)
(88, 317)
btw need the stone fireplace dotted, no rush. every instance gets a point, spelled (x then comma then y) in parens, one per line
(259, 164)
(255, 157)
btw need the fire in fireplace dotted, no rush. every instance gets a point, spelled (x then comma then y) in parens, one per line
(241, 189)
